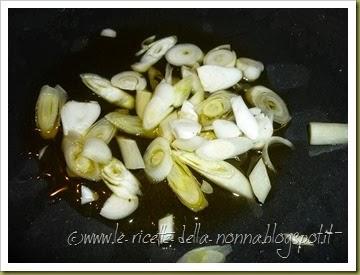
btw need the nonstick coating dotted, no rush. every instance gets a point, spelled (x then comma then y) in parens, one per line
(305, 57)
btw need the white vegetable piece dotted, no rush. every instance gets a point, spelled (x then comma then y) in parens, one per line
(130, 153)
(184, 54)
(244, 119)
(250, 68)
(116, 208)
(129, 80)
(79, 116)
(87, 195)
(207, 254)
(265, 150)
(206, 187)
(188, 145)
(185, 128)
(260, 181)
(221, 56)
(265, 124)
(225, 129)
(155, 52)
(226, 148)
(188, 111)
(214, 78)
(166, 229)
(165, 129)
(108, 33)
(97, 150)
(328, 133)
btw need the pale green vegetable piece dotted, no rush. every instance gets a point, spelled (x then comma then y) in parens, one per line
(130, 153)
(142, 99)
(165, 129)
(184, 54)
(260, 181)
(116, 208)
(265, 153)
(250, 68)
(206, 254)
(102, 129)
(322, 133)
(96, 150)
(129, 80)
(221, 56)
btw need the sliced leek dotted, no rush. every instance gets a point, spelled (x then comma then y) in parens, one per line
(186, 187)
(130, 153)
(157, 158)
(48, 107)
(155, 77)
(260, 181)
(130, 124)
(185, 128)
(97, 150)
(184, 54)
(269, 102)
(265, 126)
(225, 129)
(102, 129)
(265, 150)
(87, 195)
(221, 56)
(188, 111)
(165, 129)
(79, 116)
(166, 229)
(206, 254)
(182, 90)
(214, 78)
(206, 187)
(188, 145)
(328, 133)
(145, 45)
(220, 172)
(129, 80)
(142, 99)
(116, 208)
(250, 68)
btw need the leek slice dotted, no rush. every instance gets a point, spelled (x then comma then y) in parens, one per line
(269, 102)
(185, 128)
(108, 33)
(250, 68)
(197, 89)
(102, 129)
(72, 146)
(188, 145)
(129, 80)
(328, 133)
(87, 195)
(97, 150)
(206, 254)
(184, 54)
(188, 111)
(220, 172)
(260, 181)
(182, 90)
(186, 187)
(47, 112)
(221, 56)
(154, 53)
(103, 88)
(142, 99)
(226, 148)
(145, 44)
(79, 116)
(225, 129)
(116, 208)
(157, 158)
(166, 229)
(130, 153)
(265, 125)
(165, 129)
(216, 106)
(130, 124)
(155, 77)
(120, 180)
(265, 153)
(206, 187)
(214, 78)
(244, 119)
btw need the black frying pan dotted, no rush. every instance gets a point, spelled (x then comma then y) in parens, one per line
(305, 53)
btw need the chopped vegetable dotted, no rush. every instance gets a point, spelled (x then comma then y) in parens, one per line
(157, 158)
(226, 148)
(188, 145)
(102, 129)
(155, 77)
(216, 106)
(182, 90)
(225, 129)
(79, 116)
(186, 187)
(130, 124)
(188, 111)
(145, 45)
(87, 195)
(154, 53)
(244, 119)
(250, 68)
(265, 150)
(116, 208)
(184, 128)
(48, 107)
(260, 181)
(206, 187)
(129, 80)
(142, 99)
(220, 172)
(184, 54)
(165, 129)
(322, 133)
(166, 229)
(130, 153)
(269, 102)
(214, 78)
(108, 33)
(265, 124)
(97, 150)
(206, 254)
(221, 56)
(103, 88)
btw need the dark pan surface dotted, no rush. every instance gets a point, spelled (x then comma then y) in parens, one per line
(305, 54)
